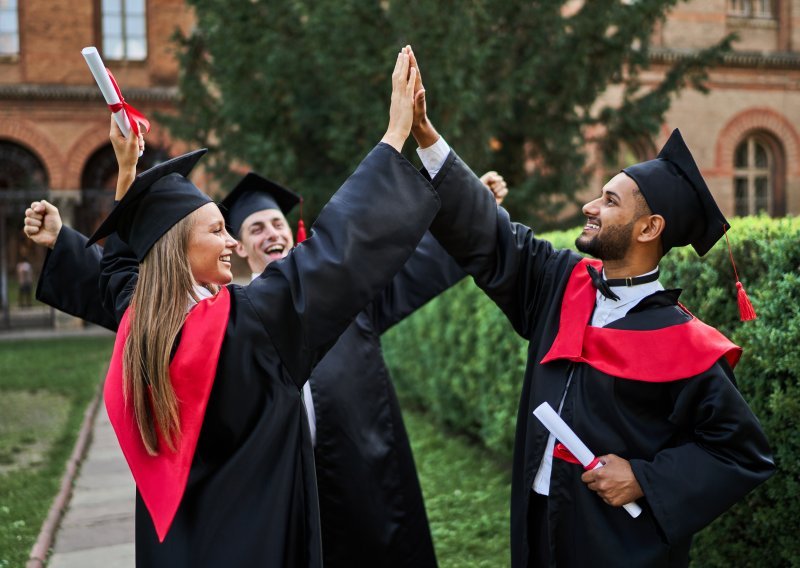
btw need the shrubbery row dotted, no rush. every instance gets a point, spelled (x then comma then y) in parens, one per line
(460, 359)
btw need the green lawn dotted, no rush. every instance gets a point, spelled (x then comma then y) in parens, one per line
(466, 492)
(45, 387)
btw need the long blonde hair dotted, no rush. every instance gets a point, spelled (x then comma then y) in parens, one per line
(158, 310)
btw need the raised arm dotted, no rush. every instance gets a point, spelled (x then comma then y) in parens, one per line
(119, 266)
(506, 260)
(429, 272)
(360, 240)
(70, 274)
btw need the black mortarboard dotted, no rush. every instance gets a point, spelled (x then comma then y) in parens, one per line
(255, 193)
(157, 199)
(673, 188)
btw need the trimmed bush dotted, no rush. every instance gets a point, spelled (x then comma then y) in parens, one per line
(459, 358)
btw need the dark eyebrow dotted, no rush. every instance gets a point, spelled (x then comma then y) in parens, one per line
(613, 194)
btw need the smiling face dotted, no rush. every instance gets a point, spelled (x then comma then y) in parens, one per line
(265, 236)
(210, 247)
(611, 220)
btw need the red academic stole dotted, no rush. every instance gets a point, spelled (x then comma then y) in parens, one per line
(661, 355)
(161, 479)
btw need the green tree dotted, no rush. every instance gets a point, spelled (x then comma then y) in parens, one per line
(298, 90)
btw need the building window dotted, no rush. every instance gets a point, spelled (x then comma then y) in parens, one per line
(751, 8)
(753, 181)
(124, 30)
(9, 28)
(20, 169)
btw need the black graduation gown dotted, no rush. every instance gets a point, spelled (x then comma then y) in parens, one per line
(251, 496)
(70, 276)
(694, 445)
(371, 503)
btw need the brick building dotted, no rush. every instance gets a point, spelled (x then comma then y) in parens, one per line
(54, 132)
(745, 133)
(53, 126)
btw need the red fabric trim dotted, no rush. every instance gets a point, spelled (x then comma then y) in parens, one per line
(161, 479)
(661, 355)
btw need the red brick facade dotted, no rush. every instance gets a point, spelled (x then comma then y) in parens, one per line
(50, 106)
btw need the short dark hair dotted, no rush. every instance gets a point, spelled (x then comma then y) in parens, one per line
(642, 208)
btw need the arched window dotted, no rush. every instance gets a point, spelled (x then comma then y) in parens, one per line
(20, 168)
(757, 188)
(23, 178)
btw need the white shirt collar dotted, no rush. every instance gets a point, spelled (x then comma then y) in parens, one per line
(608, 310)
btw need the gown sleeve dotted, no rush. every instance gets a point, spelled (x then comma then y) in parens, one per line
(69, 279)
(429, 272)
(506, 260)
(119, 272)
(360, 240)
(724, 457)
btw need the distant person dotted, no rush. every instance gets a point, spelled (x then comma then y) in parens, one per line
(25, 282)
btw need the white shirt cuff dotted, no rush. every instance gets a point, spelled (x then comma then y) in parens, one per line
(433, 157)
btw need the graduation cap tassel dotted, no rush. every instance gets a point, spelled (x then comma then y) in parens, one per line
(746, 311)
(301, 227)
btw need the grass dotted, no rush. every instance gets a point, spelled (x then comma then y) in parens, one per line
(45, 387)
(467, 491)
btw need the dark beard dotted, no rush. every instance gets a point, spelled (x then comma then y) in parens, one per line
(613, 245)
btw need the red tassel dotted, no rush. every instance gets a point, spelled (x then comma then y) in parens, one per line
(746, 311)
(301, 231)
(301, 227)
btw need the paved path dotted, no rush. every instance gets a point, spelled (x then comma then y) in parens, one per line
(97, 531)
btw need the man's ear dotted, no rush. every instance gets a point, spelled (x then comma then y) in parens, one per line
(240, 250)
(651, 228)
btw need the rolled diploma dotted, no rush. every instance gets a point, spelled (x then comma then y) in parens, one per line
(558, 428)
(98, 69)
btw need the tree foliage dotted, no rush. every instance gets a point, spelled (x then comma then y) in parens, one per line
(298, 90)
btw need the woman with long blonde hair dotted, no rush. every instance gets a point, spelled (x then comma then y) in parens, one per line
(203, 389)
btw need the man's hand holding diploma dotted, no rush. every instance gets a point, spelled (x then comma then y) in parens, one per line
(614, 482)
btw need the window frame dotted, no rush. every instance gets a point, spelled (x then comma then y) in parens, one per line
(773, 172)
(14, 55)
(101, 35)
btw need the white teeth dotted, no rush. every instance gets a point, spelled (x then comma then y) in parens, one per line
(226, 258)
(592, 226)
(275, 248)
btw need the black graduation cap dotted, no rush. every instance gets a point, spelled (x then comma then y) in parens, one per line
(255, 193)
(157, 199)
(673, 188)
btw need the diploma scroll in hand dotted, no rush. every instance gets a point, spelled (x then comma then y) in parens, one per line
(558, 428)
(126, 117)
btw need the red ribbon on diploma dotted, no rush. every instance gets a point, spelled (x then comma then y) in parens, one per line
(561, 452)
(134, 116)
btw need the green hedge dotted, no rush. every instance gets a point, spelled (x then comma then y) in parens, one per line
(459, 358)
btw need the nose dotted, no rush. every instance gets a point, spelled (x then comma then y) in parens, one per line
(271, 233)
(230, 242)
(592, 209)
